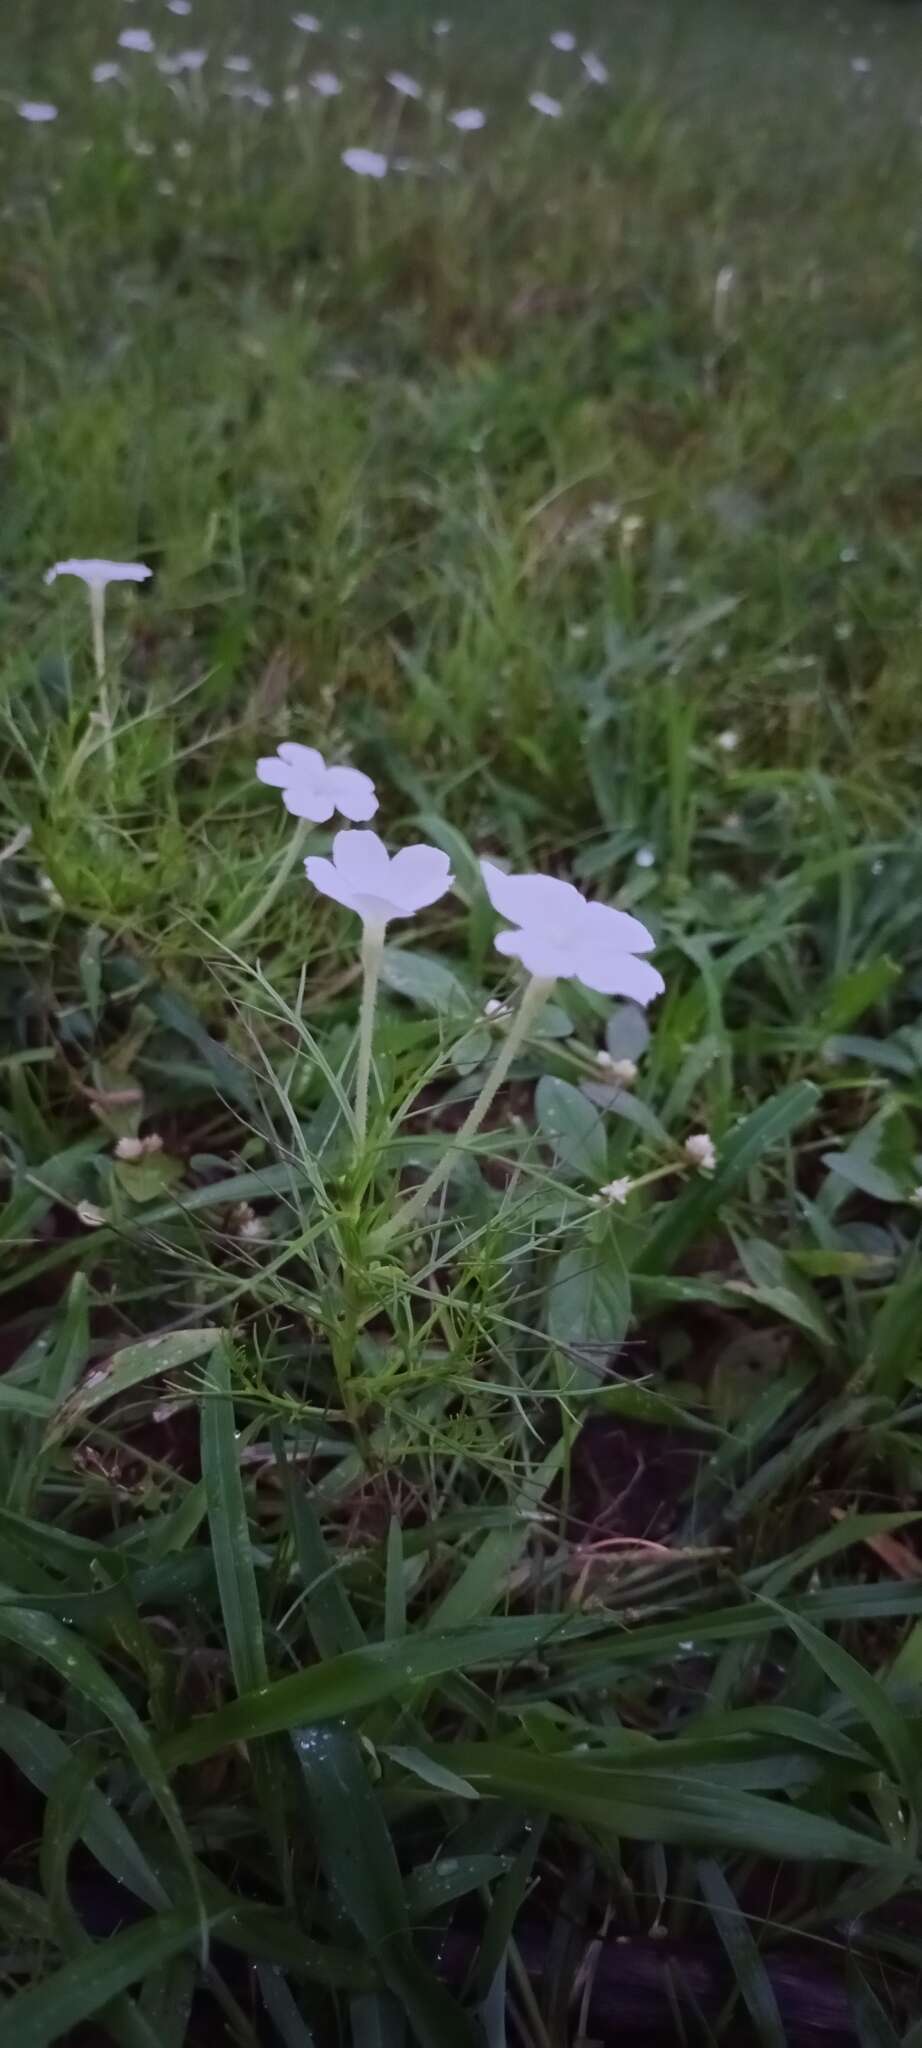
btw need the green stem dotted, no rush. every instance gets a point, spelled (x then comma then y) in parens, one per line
(372, 948)
(98, 623)
(279, 878)
(536, 994)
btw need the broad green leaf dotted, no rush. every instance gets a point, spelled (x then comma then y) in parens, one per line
(589, 1298)
(425, 981)
(574, 1128)
(627, 1033)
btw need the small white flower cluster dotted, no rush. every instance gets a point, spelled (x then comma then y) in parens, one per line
(555, 932)
(139, 1148)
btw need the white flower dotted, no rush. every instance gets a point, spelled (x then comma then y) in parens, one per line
(136, 39)
(409, 88)
(441, 28)
(366, 163)
(728, 740)
(543, 104)
(37, 110)
(613, 1191)
(468, 118)
(179, 6)
(861, 65)
(190, 60)
(238, 63)
(700, 1149)
(326, 83)
(96, 574)
(103, 74)
(494, 1008)
(595, 70)
(312, 790)
(308, 23)
(645, 857)
(139, 1148)
(364, 877)
(561, 935)
(625, 1071)
(563, 39)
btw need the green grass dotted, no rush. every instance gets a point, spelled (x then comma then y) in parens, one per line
(387, 1616)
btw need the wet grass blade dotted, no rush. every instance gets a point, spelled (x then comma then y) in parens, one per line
(47, 2012)
(356, 1850)
(748, 1968)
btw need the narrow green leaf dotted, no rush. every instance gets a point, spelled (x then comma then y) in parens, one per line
(353, 1843)
(684, 1220)
(747, 1965)
(230, 1534)
(49, 2011)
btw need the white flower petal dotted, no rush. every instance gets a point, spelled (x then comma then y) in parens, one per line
(308, 800)
(96, 573)
(544, 104)
(614, 931)
(307, 760)
(538, 954)
(352, 793)
(618, 975)
(409, 88)
(366, 163)
(137, 39)
(362, 859)
(329, 882)
(419, 875)
(468, 119)
(531, 899)
(37, 111)
(273, 771)
(326, 84)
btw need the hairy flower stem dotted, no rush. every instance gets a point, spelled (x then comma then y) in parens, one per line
(536, 994)
(372, 948)
(255, 916)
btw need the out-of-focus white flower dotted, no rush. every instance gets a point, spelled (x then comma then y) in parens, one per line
(563, 39)
(595, 70)
(645, 857)
(441, 28)
(861, 65)
(179, 6)
(307, 23)
(625, 1071)
(494, 1008)
(701, 1150)
(366, 163)
(326, 83)
(312, 790)
(139, 1148)
(190, 60)
(378, 886)
(728, 740)
(614, 1191)
(38, 111)
(562, 936)
(408, 88)
(238, 63)
(103, 74)
(96, 573)
(544, 104)
(139, 39)
(468, 119)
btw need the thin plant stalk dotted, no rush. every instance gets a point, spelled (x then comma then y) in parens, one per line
(372, 949)
(535, 996)
(280, 876)
(98, 623)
